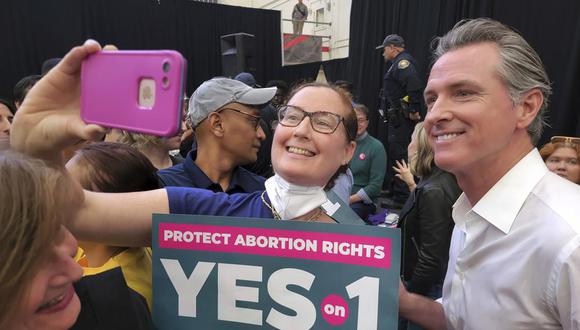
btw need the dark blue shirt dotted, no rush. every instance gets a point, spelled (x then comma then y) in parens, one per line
(188, 174)
(204, 202)
(183, 200)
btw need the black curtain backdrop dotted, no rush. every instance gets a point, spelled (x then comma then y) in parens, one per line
(299, 73)
(33, 31)
(552, 28)
(336, 69)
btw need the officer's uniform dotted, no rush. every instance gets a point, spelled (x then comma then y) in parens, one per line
(402, 95)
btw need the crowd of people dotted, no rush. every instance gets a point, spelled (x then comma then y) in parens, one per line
(490, 225)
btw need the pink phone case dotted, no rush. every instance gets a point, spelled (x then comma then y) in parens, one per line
(110, 83)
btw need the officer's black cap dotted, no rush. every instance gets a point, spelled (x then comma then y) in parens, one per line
(392, 39)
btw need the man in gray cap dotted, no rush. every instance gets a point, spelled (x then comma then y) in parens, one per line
(224, 114)
(401, 99)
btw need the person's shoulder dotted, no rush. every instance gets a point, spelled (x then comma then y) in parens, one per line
(251, 175)
(442, 186)
(374, 142)
(174, 175)
(175, 169)
(248, 180)
(561, 197)
(405, 61)
(403, 64)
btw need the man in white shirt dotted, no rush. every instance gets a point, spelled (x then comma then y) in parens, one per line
(514, 259)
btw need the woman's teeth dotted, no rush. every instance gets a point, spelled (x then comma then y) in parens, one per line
(300, 151)
(446, 136)
(51, 302)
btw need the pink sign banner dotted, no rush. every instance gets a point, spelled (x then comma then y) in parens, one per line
(329, 247)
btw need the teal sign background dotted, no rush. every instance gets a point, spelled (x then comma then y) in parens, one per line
(330, 277)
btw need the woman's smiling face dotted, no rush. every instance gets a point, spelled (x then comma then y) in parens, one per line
(51, 301)
(305, 157)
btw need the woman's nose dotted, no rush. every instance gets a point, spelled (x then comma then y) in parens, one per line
(304, 128)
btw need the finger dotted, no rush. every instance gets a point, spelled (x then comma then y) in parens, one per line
(94, 132)
(89, 132)
(71, 63)
(110, 48)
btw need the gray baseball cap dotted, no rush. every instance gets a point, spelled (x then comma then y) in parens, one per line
(392, 39)
(217, 92)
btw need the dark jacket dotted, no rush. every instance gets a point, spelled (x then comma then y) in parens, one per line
(108, 303)
(426, 227)
(403, 79)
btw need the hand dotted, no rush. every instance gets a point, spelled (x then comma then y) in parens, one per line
(415, 116)
(186, 134)
(49, 119)
(404, 173)
(403, 294)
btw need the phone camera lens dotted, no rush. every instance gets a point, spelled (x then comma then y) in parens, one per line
(165, 82)
(166, 66)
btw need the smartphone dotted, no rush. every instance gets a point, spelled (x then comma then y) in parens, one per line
(138, 91)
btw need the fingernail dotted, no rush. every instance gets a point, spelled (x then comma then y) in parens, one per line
(91, 42)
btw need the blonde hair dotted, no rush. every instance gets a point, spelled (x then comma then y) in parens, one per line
(422, 162)
(35, 200)
(138, 140)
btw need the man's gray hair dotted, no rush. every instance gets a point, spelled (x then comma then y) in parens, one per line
(520, 67)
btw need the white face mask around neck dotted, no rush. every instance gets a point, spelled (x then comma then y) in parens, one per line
(292, 201)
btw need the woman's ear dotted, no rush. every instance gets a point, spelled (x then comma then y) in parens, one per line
(349, 152)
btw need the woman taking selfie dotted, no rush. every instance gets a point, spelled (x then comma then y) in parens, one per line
(313, 142)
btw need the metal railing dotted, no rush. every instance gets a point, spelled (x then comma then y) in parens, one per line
(311, 22)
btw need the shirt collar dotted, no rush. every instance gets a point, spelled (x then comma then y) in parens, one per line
(198, 177)
(362, 136)
(502, 203)
(241, 180)
(201, 180)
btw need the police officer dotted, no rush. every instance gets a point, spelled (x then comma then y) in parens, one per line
(402, 106)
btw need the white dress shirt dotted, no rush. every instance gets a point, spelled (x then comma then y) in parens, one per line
(514, 260)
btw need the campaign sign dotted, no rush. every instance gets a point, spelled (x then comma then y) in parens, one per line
(239, 273)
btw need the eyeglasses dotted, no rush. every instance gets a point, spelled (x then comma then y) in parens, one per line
(255, 121)
(321, 121)
(565, 139)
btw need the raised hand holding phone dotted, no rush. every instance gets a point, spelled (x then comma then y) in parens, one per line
(48, 121)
